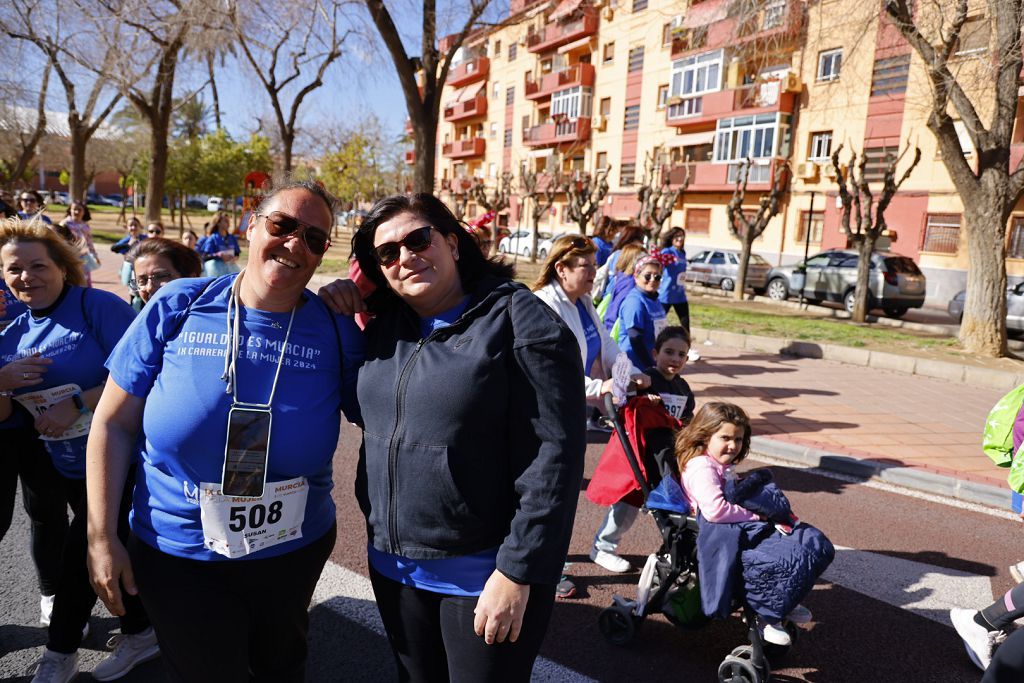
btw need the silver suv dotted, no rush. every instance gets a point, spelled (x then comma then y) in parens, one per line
(896, 283)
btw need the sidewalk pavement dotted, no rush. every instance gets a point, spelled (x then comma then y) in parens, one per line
(919, 432)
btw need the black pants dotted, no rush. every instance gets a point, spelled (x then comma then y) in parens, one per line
(75, 595)
(231, 620)
(683, 311)
(432, 637)
(43, 496)
(1008, 663)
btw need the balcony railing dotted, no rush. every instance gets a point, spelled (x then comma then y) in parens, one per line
(775, 22)
(774, 95)
(468, 109)
(562, 33)
(708, 176)
(576, 75)
(410, 157)
(468, 72)
(461, 149)
(552, 133)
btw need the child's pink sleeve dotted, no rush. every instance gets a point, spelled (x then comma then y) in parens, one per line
(703, 485)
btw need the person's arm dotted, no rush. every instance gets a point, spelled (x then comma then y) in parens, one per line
(640, 350)
(705, 486)
(115, 427)
(20, 374)
(61, 415)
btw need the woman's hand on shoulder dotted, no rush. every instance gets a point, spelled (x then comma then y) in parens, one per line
(500, 609)
(342, 296)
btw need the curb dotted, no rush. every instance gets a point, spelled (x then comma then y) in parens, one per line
(985, 378)
(907, 477)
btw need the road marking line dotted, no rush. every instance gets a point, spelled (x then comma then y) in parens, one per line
(350, 595)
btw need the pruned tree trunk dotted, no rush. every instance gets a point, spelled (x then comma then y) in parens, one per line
(747, 229)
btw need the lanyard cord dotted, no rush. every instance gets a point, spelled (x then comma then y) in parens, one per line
(231, 351)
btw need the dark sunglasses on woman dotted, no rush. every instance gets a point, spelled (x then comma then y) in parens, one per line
(281, 225)
(651, 276)
(416, 241)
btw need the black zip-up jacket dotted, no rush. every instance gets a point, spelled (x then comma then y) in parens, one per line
(474, 437)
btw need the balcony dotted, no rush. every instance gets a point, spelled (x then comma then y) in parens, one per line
(463, 149)
(456, 185)
(549, 134)
(759, 98)
(563, 33)
(775, 24)
(578, 74)
(708, 176)
(468, 72)
(471, 108)
(410, 157)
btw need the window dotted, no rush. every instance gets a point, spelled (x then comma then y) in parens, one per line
(513, 50)
(974, 37)
(605, 106)
(508, 137)
(666, 34)
(890, 76)
(817, 225)
(774, 13)
(526, 122)
(636, 59)
(497, 49)
(821, 146)
(632, 118)
(639, 5)
(717, 258)
(878, 159)
(698, 221)
(571, 103)
(829, 63)
(608, 53)
(662, 96)
(1015, 249)
(626, 174)
(494, 131)
(694, 76)
(941, 233)
(496, 90)
(510, 96)
(602, 160)
(746, 136)
(964, 137)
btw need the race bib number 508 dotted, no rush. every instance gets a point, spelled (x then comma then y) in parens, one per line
(234, 527)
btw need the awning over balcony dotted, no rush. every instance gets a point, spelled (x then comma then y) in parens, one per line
(692, 139)
(576, 45)
(465, 94)
(564, 9)
(705, 13)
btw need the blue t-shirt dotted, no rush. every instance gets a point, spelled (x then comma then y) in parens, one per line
(12, 306)
(604, 250)
(644, 313)
(77, 335)
(590, 334)
(464, 575)
(29, 216)
(176, 360)
(673, 285)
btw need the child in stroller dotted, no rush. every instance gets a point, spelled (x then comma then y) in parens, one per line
(773, 558)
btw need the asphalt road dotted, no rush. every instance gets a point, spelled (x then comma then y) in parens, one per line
(880, 610)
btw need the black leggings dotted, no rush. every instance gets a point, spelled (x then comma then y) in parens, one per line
(432, 637)
(75, 595)
(43, 498)
(236, 621)
(683, 311)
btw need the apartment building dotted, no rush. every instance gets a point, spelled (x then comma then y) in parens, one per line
(686, 91)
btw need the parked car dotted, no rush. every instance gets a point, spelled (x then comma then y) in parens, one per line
(721, 267)
(895, 281)
(214, 204)
(1014, 307)
(544, 246)
(55, 197)
(113, 200)
(520, 242)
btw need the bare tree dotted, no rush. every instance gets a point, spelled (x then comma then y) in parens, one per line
(20, 133)
(294, 40)
(748, 228)
(868, 218)
(539, 199)
(423, 102)
(584, 194)
(656, 197)
(989, 193)
(37, 23)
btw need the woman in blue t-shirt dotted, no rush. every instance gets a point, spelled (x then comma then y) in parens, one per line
(641, 315)
(220, 249)
(52, 357)
(672, 293)
(238, 385)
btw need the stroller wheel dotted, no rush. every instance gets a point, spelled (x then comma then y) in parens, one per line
(617, 624)
(740, 670)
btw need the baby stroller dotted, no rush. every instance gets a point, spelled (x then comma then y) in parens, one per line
(669, 582)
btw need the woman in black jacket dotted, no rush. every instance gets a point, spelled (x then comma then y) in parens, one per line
(472, 455)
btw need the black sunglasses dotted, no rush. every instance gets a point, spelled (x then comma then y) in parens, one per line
(416, 241)
(651, 276)
(281, 225)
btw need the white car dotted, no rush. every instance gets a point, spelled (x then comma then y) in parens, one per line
(214, 204)
(545, 246)
(520, 243)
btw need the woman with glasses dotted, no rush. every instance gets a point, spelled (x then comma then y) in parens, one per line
(473, 447)
(156, 262)
(52, 359)
(238, 382)
(641, 316)
(76, 219)
(31, 203)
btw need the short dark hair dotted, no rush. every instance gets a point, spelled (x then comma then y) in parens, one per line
(314, 187)
(472, 264)
(86, 215)
(186, 261)
(671, 332)
(666, 241)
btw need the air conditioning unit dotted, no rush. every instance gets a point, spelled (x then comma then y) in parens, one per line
(600, 122)
(829, 170)
(790, 82)
(807, 171)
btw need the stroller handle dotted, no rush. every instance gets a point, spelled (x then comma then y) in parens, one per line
(627, 448)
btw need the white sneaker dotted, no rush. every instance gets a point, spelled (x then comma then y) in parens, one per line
(692, 355)
(129, 651)
(45, 609)
(800, 615)
(1017, 571)
(978, 640)
(776, 635)
(610, 561)
(54, 667)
